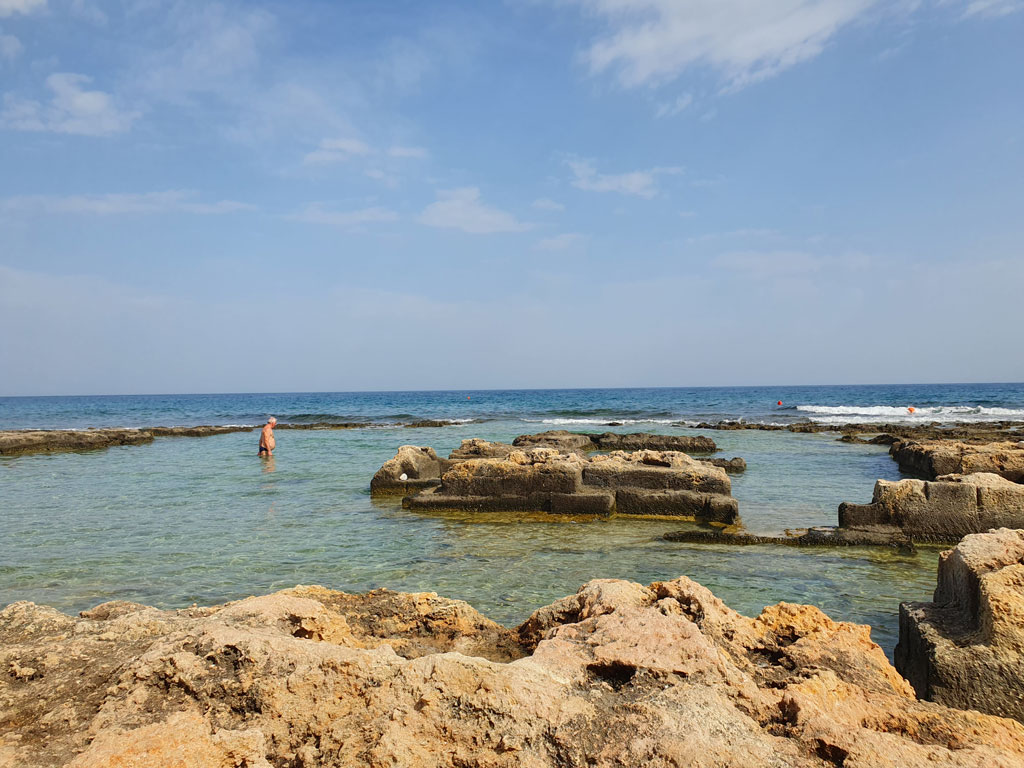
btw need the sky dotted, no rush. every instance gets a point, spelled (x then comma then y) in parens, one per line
(391, 194)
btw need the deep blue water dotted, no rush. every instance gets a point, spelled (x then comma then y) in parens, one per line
(563, 407)
(185, 520)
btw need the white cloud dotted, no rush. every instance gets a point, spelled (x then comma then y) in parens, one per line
(462, 209)
(10, 47)
(413, 152)
(71, 109)
(333, 151)
(670, 108)
(639, 183)
(651, 42)
(992, 8)
(11, 7)
(547, 204)
(170, 201)
(561, 242)
(757, 265)
(212, 47)
(387, 179)
(319, 213)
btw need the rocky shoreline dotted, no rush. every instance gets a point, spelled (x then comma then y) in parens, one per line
(18, 442)
(27, 441)
(617, 674)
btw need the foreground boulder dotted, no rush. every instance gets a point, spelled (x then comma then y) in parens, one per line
(966, 648)
(649, 483)
(941, 510)
(931, 459)
(414, 467)
(616, 675)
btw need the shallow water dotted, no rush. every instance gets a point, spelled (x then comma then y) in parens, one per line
(186, 520)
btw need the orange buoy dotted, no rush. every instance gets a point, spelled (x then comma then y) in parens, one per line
(779, 403)
(910, 409)
(467, 397)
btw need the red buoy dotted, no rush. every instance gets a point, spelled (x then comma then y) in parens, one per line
(779, 403)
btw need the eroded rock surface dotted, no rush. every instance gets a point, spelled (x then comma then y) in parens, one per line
(651, 483)
(613, 441)
(413, 468)
(616, 675)
(931, 459)
(966, 648)
(940, 510)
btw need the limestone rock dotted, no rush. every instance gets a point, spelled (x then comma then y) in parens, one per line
(557, 438)
(419, 465)
(966, 648)
(733, 466)
(941, 510)
(25, 441)
(655, 470)
(475, 448)
(931, 458)
(614, 441)
(545, 479)
(617, 675)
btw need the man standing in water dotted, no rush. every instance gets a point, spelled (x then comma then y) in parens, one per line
(267, 441)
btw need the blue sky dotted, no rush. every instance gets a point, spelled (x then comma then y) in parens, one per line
(292, 196)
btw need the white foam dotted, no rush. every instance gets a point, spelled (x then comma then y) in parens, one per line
(608, 421)
(834, 414)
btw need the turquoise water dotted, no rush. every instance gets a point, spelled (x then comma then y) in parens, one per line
(203, 520)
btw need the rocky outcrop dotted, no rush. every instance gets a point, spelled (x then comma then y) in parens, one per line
(942, 510)
(649, 483)
(970, 432)
(966, 648)
(24, 441)
(475, 448)
(413, 468)
(733, 466)
(929, 460)
(583, 442)
(822, 536)
(615, 675)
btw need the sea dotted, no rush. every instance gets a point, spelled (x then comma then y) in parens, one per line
(203, 520)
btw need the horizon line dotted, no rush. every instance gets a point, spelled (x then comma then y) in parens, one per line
(522, 389)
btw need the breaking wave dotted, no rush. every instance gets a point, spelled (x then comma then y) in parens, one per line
(831, 414)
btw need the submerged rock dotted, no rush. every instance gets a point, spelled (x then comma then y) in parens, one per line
(941, 510)
(966, 648)
(821, 536)
(616, 675)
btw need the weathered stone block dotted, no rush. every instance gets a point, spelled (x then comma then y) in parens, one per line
(698, 506)
(582, 503)
(964, 649)
(414, 467)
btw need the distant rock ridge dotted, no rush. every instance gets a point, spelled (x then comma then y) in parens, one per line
(618, 674)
